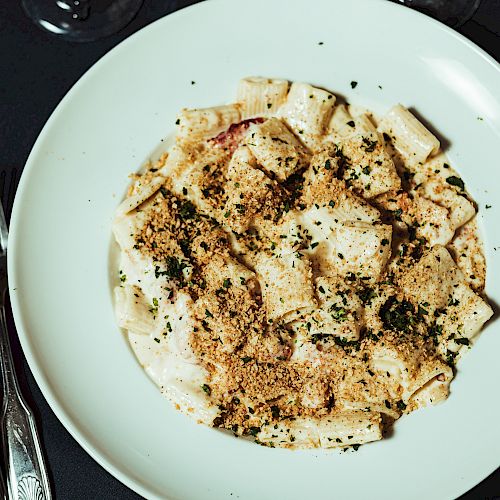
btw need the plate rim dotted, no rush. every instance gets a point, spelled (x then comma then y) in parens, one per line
(37, 370)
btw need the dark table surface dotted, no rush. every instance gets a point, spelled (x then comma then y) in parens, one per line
(37, 70)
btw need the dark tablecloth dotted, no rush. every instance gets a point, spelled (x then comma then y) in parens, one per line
(37, 70)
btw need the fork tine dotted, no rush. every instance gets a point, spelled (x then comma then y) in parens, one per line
(3, 177)
(9, 179)
(4, 236)
(14, 181)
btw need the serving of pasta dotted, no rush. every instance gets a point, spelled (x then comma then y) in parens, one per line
(300, 270)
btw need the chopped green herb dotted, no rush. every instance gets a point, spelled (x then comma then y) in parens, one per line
(174, 268)
(338, 313)
(434, 331)
(206, 389)
(187, 210)
(369, 146)
(456, 181)
(318, 337)
(366, 295)
(343, 342)
(450, 358)
(275, 411)
(398, 316)
(421, 311)
(240, 208)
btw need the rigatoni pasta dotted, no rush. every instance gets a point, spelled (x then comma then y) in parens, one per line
(411, 138)
(206, 122)
(261, 96)
(293, 274)
(307, 111)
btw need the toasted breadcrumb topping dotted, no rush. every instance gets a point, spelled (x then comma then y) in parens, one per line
(235, 223)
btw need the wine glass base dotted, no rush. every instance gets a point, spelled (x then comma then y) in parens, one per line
(454, 13)
(82, 20)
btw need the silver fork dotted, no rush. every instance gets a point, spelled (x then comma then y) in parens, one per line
(25, 469)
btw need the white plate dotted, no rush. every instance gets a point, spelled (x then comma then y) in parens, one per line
(105, 128)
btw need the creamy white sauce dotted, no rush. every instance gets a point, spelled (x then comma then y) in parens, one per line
(165, 354)
(179, 380)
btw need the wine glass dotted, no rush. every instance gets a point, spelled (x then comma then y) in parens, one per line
(82, 20)
(451, 12)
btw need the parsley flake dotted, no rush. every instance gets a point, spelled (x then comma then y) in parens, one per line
(456, 181)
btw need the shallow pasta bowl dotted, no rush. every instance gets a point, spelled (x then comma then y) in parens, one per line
(117, 115)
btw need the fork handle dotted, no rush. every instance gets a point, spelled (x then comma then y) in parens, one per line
(26, 473)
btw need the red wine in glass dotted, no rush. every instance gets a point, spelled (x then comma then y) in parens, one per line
(82, 20)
